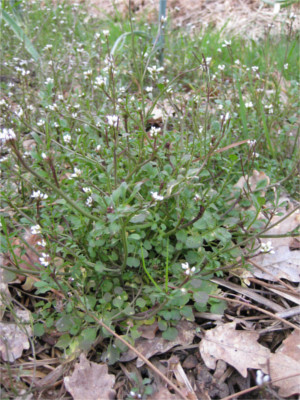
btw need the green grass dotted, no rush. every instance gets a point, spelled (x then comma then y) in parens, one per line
(142, 202)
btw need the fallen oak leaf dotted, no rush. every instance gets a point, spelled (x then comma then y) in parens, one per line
(148, 348)
(90, 381)
(238, 348)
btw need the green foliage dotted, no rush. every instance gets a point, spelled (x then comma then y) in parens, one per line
(141, 211)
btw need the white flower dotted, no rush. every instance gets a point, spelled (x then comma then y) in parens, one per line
(154, 131)
(42, 243)
(100, 81)
(267, 247)
(39, 195)
(3, 102)
(112, 120)
(149, 89)
(261, 378)
(48, 81)
(60, 97)
(254, 68)
(249, 104)
(105, 32)
(41, 122)
(237, 62)
(89, 201)
(87, 190)
(87, 73)
(251, 143)
(44, 156)
(77, 173)
(269, 107)
(35, 229)
(286, 66)
(208, 60)
(226, 43)
(67, 138)
(45, 259)
(6, 135)
(98, 147)
(97, 35)
(187, 270)
(48, 47)
(196, 197)
(256, 155)
(74, 115)
(154, 71)
(221, 67)
(156, 196)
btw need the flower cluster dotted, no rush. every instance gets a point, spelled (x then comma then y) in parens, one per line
(35, 229)
(156, 196)
(45, 259)
(112, 120)
(6, 135)
(37, 194)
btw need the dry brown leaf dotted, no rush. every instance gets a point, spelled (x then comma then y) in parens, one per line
(14, 338)
(291, 346)
(282, 366)
(159, 345)
(148, 331)
(90, 381)
(252, 180)
(163, 394)
(284, 262)
(238, 348)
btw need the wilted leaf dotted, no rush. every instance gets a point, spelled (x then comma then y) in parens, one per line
(238, 348)
(186, 333)
(163, 394)
(285, 362)
(285, 261)
(256, 181)
(90, 381)
(14, 338)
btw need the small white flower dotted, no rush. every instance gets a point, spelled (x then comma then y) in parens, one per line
(267, 247)
(100, 81)
(208, 60)
(286, 66)
(35, 229)
(149, 89)
(251, 143)
(3, 102)
(254, 68)
(77, 173)
(112, 120)
(187, 270)
(89, 201)
(60, 97)
(49, 81)
(74, 115)
(105, 32)
(269, 107)
(42, 243)
(226, 43)
(87, 74)
(44, 156)
(221, 67)
(41, 122)
(163, 19)
(56, 125)
(156, 196)
(237, 62)
(261, 377)
(67, 138)
(37, 194)
(45, 259)
(97, 36)
(196, 197)
(48, 47)
(6, 135)
(98, 147)
(256, 155)
(154, 131)
(249, 104)
(87, 190)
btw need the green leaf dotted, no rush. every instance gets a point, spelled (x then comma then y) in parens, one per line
(141, 302)
(133, 262)
(64, 341)
(193, 242)
(38, 329)
(137, 219)
(187, 312)
(20, 34)
(200, 297)
(170, 334)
